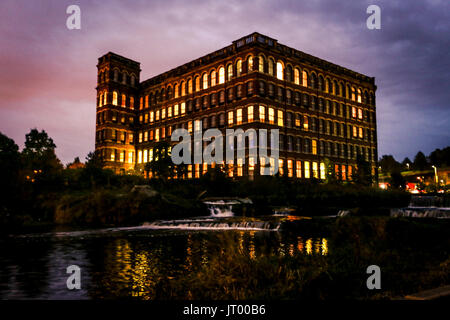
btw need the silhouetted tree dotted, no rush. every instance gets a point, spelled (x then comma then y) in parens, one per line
(420, 162)
(388, 164)
(406, 164)
(440, 158)
(397, 181)
(363, 175)
(9, 172)
(161, 164)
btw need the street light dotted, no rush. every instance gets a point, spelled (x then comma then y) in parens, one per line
(435, 174)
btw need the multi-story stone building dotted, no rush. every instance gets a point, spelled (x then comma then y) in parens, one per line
(325, 113)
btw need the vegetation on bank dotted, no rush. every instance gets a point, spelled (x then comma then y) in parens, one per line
(37, 189)
(412, 255)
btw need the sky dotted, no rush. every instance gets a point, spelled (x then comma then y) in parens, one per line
(48, 73)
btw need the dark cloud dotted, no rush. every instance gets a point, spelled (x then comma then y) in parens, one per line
(48, 73)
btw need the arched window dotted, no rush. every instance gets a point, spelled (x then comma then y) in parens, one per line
(205, 81)
(250, 63)
(176, 88)
(261, 64)
(280, 70)
(271, 66)
(116, 75)
(336, 88)
(221, 75)
(213, 78)
(296, 76)
(124, 99)
(238, 67)
(304, 78)
(289, 73)
(353, 94)
(329, 86)
(321, 86)
(189, 85)
(359, 95)
(124, 78)
(183, 88)
(114, 102)
(133, 80)
(313, 80)
(100, 100)
(230, 72)
(131, 102)
(197, 83)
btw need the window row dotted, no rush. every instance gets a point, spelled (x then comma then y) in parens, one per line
(118, 76)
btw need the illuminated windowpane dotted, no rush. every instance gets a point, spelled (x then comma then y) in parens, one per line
(359, 95)
(305, 123)
(349, 173)
(262, 114)
(105, 96)
(190, 171)
(197, 83)
(205, 81)
(271, 116)
(322, 171)
(315, 170)
(221, 75)
(307, 171)
(157, 134)
(197, 124)
(230, 117)
(290, 168)
(296, 76)
(169, 112)
(355, 132)
(298, 169)
(213, 78)
(183, 89)
(304, 78)
(361, 133)
(353, 94)
(239, 168)
(140, 156)
(230, 71)
(152, 116)
(114, 102)
(183, 108)
(157, 115)
(145, 136)
(353, 112)
(279, 70)
(314, 146)
(239, 116)
(189, 86)
(250, 63)
(140, 137)
(130, 157)
(261, 64)
(344, 174)
(360, 114)
(146, 101)
(124, 99)
(175, 110)
(239, 67)
(271, 67)
(145, 156)
(131, 103)
(280, 118)
(250, 114)
(176, 88)
(163, 113)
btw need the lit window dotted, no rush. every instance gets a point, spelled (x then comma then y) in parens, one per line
(355, 132)
(251, 165)
(271, 116)
(360, 114)
(305, 123)
(205, 81)
(114, 102)
(131, 103)
(221, 75)
(152, 116)
(280, 166)
(344, 174)
(140, 137)
(183, 108)
(146, 101)
(124, 99)
(141, 103)
(130, 157)
(163, 113)
(250, 114)
(150, 155)
(298, 169)
(290, 168)
(314, 146)
(183, 88)
(157, 134)
(307, 171)
(353, 94)
(280, 118)
(230, 71)
(361, 133)
(296, 76)
(169, 112)
(140, 156)
(315, 170)
(145, 136)
(145, 156)
(262, 114)
(189, 86)
(322, 171)
(197, 124)
(151, 135)
(279, 70)
(271, 67)
(213, 78)
(157, 115)
(230, 117)
(349, 173)
(197, 83)
(239, 167)
(190, 126)
(353, 112)
(250, 63)
(304, 79)
(239, 116)
(359, 95)
(176, 90)
(239, 67)
(105, 96)
(175, 110)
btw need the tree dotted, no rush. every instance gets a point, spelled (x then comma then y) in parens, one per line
(10, 167)
(161, 165)
(363, 175)
(406, 164)
(440, 158)
(397, 181)
(388, 164)
(94, 160)
(420, 162)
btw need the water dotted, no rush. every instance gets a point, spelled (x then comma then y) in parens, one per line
(130, 262)
(423, 207)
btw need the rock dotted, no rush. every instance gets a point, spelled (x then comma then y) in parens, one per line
(145, 190)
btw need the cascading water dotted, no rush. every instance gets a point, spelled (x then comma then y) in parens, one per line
(221, 208)
(423, 207)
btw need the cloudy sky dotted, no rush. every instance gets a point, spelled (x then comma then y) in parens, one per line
(48, 73)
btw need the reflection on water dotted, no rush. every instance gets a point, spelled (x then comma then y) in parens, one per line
(131, 262)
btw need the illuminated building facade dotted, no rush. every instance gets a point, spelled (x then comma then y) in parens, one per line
(325, 113)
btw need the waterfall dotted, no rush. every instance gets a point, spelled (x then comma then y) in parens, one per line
(221, 208)
(214, 224)
(423, 207)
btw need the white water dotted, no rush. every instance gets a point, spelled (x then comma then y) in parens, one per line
(221, 208)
